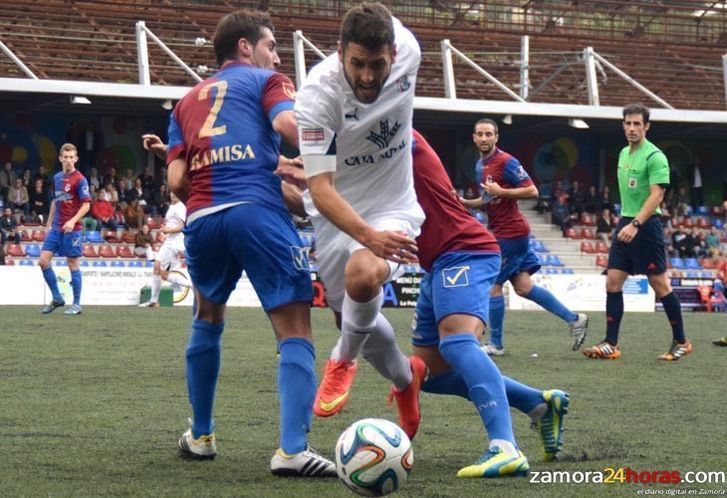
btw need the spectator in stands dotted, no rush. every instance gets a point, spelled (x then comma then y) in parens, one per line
(121, 191)
(161, 200)
(138, 194)
(556, 190)
(39, 204)
(119, 217)
(7, 180)
(560, 214)
(94, 179)
(147, 181)
(590, 203)
(576, 198)
(134, 214)
(111, 177)
(669, 243)
(712, 240)
(129, 179)
(701, 249)
(604, 200)
(103, 211)
(18, 198)
(680, 202)
(27, 179)
(9, 227)
(143, 241)
(604, 226)
(110, 194)
(679, 242)
(40, 175)
(696, 183)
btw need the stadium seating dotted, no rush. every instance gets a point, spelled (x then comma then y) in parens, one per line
(32, 250)
(124, 252)
(15, 250)
(26, 262)
(587, 219)
(602, 261)
(38, 235)
(99, 263)
(106, 251)
(692, 264)
(89, 251)
(128, 236)
(538, 246)
(118, 264)
(553, 260)
(588, 233)
(137, 263)
(571, 233)
(94, 236)
(602, 248)
(677, 263)
(588, 247)
(25, 236)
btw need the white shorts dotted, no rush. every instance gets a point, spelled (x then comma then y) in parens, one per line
(168, 257)
(332, 255)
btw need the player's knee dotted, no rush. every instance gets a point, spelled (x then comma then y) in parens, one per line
(660, 284)
(522, 289)
(362, 282)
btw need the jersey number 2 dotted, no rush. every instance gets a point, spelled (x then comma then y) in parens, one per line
(208, 129)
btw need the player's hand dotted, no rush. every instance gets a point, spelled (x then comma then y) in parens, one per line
(154, 143)
(68, 226)
(627, 233)
(164, 229)
(292, 173)
(394, 246)
(290, 161)
(492, 188)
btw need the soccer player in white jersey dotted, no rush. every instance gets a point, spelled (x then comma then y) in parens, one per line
(167, 259)
(354, 116)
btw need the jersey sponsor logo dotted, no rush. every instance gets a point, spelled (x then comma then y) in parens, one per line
(371, 158)
(385, 134)
(352, 115)
(312, 134)
(226, 154)
(403, 83)
(457, 276)
(299, 259)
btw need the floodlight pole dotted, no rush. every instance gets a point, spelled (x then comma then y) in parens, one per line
(591, 80)
(142, 54)
(525, 67)
(724, 73)
(450, 87)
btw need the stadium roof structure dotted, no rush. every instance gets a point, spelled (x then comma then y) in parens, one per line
(56, 49)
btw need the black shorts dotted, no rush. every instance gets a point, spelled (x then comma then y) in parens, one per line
(645, 255)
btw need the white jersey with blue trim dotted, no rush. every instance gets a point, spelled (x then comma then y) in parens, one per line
(371, 142)
(175, 217)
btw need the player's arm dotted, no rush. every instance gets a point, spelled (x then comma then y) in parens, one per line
(477, 203)
(384, 244)
(177, 179)
(70, 224)
(495, 190)
(293, 198)
(51, 214)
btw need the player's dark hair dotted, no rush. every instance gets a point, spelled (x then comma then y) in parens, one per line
(637, 109)
(246, 24)
(368, 24)
(486, 121)
(69, 147)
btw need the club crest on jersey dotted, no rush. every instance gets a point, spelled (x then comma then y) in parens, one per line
(403, 83)
(456, 276)
(521, 172)
(488, 179)
(289, 90)
(385, 135)
(299, 259)
(633, 183)
(67, 187)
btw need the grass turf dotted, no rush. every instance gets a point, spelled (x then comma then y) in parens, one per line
(92, 405)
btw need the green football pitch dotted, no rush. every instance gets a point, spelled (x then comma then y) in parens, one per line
(93, 405)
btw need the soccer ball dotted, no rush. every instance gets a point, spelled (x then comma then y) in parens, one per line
(373, 457)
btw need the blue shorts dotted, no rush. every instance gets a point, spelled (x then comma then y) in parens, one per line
(645, 255)
(517, 256)
(263, 242)
(63, 244)
(459, 283)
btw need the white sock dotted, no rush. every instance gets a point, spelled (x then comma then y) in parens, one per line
(175, 278)
(357, 320)
(537, 413)
(505, 446)
(385, 356)
(156, 285)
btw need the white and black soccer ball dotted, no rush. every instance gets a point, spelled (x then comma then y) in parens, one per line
(373, 457)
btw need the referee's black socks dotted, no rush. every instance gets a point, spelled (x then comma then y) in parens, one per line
(674, 314)
(614, 313)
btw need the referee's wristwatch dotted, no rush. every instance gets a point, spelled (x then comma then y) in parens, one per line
(636, 223)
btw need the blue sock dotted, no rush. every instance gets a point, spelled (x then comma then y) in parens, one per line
(76, 283)
(50, 278)
(447, 383)
(297, 390)
(548, 301)
(203, 366)
(497, 319)
(522, 397)
(519, 396)
(485, 387)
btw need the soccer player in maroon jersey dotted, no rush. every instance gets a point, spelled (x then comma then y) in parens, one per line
(504, 181)
(71, 202)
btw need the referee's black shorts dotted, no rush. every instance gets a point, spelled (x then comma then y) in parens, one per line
(645, 255)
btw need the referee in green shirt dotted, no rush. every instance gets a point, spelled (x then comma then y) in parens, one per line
(638, 245)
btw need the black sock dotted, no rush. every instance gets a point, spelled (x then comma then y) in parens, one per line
(674, 314)
(614, 313)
